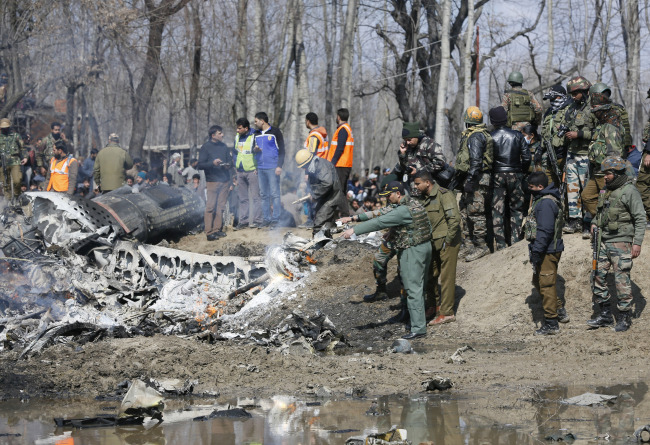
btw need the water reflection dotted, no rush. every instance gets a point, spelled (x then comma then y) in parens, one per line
(503, 416)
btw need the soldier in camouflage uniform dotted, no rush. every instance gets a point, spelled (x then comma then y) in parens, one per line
(521, 105)
(551, 126)
(601, 88)
(511, 159)
(45, 147)
(621, 223)
(12, 156)
(474, 172)
(608, 142)
(643, 179)
(383, 255)
(581, 124)
(417, 152)
(413, 245)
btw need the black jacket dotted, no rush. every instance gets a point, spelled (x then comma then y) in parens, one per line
(511, 153)
(546, 211)
(476, 144)
(208, 153)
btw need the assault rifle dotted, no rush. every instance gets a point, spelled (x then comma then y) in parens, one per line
(595, 245)
(555, 169)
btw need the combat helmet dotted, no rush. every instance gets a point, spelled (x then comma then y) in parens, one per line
(5, 123)
(516, 77)
(615, 163)
(599, 101)
(473, 116)
(599, 87)
(303, 157)
(578, 83)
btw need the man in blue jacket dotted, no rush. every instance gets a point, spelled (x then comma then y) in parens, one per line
(543, 230)
(269, 145)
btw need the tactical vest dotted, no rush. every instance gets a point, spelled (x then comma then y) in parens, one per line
(10, 149)
(245, 156)
(530, 227)
(416, 233)
(520, 108)
(462, 158)
(613, 213)
(577, 119)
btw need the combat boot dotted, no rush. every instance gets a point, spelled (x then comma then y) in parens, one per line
(476, 253)
(380, 294)
(402, 317)
(550, 327)
(465, 249)
(562, 316)
(586, 231)
(624, 321)
(603, 319)
(573, 226)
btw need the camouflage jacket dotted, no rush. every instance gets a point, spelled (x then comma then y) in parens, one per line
(45, 151)
(609, 142)
(625, 122)
(427, 155)
(11, 149)
(646, 131)
(579, 118)
(537, 108)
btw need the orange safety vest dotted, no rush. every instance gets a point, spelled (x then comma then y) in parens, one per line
(59, 174)
(346, 158)
(321, 148)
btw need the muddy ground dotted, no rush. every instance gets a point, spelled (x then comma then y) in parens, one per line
(497, 314)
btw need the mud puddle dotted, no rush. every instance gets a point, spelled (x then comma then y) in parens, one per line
(507, 415)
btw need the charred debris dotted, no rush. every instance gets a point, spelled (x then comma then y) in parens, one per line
(74, 270)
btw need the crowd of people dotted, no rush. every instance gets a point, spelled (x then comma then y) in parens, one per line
(534, 174)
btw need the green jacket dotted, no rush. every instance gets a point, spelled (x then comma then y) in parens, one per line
(621, 216)
(608, 142)
(11, 149)
(443, 213)
(110, 167)
(581, 119)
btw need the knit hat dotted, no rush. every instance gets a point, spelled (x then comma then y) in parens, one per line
(498, 116)
(558, 89)
(411, 130)
(142, 175)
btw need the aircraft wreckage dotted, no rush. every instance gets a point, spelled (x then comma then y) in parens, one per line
(80, 270)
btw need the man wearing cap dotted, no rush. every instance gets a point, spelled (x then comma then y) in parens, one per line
(326, 194)
(111, 164)
(12, 156)
(511, 159)
(520, 104)
(175, 170)
(62, 174)
(621, 221)
(413, 245)
(416, 153)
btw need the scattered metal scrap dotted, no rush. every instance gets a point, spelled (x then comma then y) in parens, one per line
(79, 270)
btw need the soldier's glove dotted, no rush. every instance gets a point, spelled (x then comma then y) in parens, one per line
(537, 157)
(469, 187)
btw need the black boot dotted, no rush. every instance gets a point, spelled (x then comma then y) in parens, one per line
(402, 317)
(603, 319)
(550, 327)
(562, 316)
(624, 321)
(380, 294)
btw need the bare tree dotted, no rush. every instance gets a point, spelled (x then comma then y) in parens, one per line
(239, 106)
(467, 56)
(444, 73)
(196, 72)
(344, 88)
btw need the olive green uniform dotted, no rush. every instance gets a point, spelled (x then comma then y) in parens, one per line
(45, 151)
(11, 153)
(444, 216)
(643, 183)
(110, 166)
(413, 245)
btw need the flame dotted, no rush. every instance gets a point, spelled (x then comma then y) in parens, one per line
(310, 260)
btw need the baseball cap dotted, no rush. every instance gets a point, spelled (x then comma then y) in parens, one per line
(393, 186)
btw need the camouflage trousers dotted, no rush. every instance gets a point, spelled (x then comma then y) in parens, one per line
(13, 182)
(590, 195)
(473, 214)
(380, 263)
(507, 199)
(617, 256)
(577, 174)
(643, 185)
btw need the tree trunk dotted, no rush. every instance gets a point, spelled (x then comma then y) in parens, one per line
(196, 75)
(329, 38)
(239, 107)
(346, 56)
(632, 39)
(253, 96)
(467, 56)
(548, 68)
(444, 72)
(279, 93)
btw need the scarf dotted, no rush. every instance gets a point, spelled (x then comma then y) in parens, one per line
(619, 181)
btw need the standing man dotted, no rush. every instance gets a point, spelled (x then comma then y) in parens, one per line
(248, 188)
(521, 105)
(581, 125)
(62, 175)
(341, 150)
(551, 126)
(45, 147)
(269, 149)
(12, 156)
(621, 226)
(111, 164)
(316, 141)
(643, 179)
(413, 245)
(175, 170)
(86, 168)
(416, 153)
(511, 159)
(474, 166)
(444, 218)
(326, 194)
(543, 232)
(216, 161)
(602, 88)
